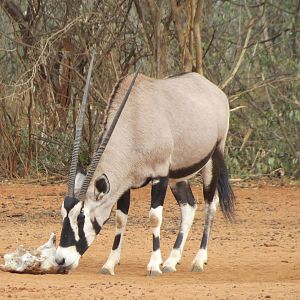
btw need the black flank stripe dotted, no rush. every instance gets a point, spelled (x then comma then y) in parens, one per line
(184, 172)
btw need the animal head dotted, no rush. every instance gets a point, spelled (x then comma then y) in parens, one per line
(82, 219)
(79, 228)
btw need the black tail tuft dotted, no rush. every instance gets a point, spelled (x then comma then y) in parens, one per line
(226, 195)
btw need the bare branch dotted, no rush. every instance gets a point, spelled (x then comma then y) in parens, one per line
(239, 61)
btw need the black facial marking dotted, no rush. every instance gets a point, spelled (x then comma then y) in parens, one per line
(81, 245)
(204, 241)
(96, 226)
(178, 240)
(183, 193)
(156, 243)
(184, 172)
(70, 202)
(116, 241)
(67, 237)
(81, 218)
(124, 202)
(158, 192)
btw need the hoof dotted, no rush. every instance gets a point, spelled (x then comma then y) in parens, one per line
(106, 271)
(154, 273)
(167, 269)
(197, 268)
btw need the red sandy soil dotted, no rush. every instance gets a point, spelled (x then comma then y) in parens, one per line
(258, 257)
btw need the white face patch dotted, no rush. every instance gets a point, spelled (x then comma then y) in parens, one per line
(63, 211)
(88, 228)
(69, 255)
(73, 215)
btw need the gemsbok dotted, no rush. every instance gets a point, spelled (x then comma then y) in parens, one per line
(169, 130)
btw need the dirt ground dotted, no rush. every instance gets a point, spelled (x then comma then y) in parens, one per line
(257, 257)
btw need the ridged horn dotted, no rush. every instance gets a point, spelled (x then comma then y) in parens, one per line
(105, 140)
(79, 125)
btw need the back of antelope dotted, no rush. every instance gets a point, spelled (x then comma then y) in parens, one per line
(169, 130)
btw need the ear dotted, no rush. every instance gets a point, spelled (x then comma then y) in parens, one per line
(78, 182)
(102, 186)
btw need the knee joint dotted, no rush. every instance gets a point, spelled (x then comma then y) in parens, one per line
(155, 217)
(154, 221)
(121, 219)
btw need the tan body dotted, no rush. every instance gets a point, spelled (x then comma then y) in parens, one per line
(167, 124)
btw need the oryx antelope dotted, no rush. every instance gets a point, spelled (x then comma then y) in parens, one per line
(169, 130)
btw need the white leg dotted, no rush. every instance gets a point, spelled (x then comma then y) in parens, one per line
(187, 218)
(115, 253)
(155, 216)
(201, 257)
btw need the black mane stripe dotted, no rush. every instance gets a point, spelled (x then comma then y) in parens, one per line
(111, 101)
(108, 108)
(177, 75)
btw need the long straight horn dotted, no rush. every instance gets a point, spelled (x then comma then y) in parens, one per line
(105, 140)
(79, 125)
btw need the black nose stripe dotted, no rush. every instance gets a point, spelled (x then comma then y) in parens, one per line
(70, 202)
(67, 238)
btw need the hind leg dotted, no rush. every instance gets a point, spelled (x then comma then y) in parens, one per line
(184, 197)
(210, 175)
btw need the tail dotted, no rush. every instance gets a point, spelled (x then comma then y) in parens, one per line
(226, 195)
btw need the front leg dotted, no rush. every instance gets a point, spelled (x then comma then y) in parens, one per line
(158, 193)
(121, 221)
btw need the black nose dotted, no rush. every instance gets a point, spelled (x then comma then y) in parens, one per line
(60, 262)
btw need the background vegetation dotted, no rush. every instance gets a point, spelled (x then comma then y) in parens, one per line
(249, 48)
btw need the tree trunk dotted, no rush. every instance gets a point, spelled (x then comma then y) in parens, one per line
(197, 36)
(186, 56)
